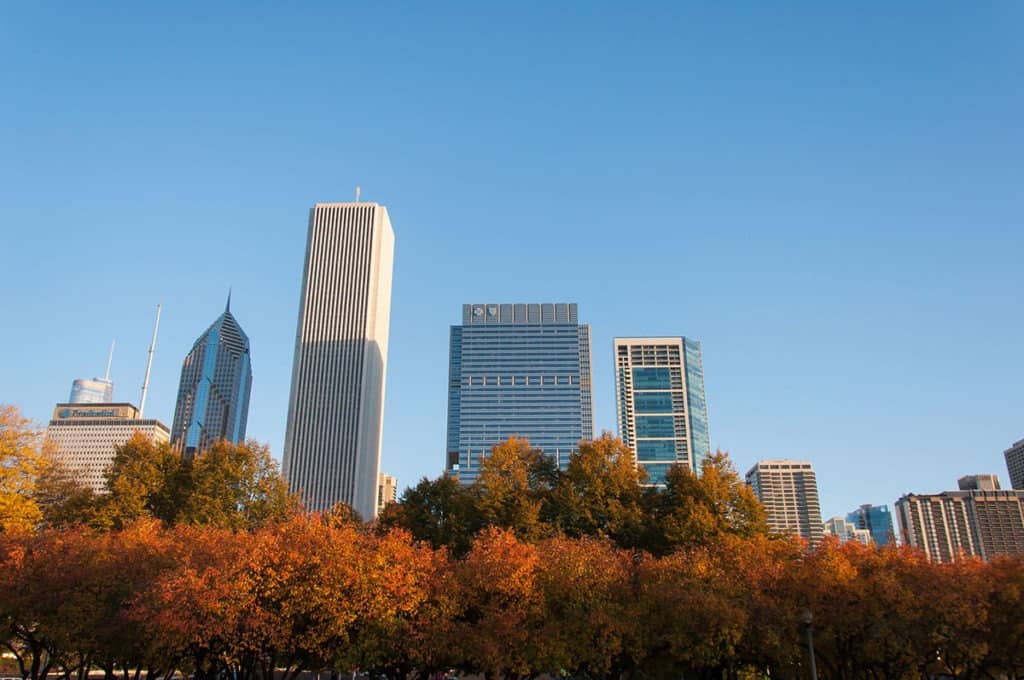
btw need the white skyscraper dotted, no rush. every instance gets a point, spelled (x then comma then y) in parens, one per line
(336, 410)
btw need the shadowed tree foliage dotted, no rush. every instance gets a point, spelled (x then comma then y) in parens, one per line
(694, 510)
(146, 479)
(439, 511)
(600, 493)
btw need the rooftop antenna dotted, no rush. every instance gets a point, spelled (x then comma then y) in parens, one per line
(357, 194)
(110, 360)
(149, 364)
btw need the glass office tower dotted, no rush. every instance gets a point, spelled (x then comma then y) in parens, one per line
(95, 391)
(213, 394)
(659, 395)
(877, 520)
(517, 370)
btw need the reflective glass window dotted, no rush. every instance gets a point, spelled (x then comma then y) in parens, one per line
(664, 449)
(653, 402)
(654, 426)
(652, 378)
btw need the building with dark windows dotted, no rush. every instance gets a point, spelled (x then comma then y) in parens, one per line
(788, 490)
(659, 396)
(979, 520)
(213, 394)
(877, 520)
(336, 409)
(1015, 464)
(517, 370)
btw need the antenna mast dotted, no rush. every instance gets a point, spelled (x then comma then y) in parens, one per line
(110, 360)
(149, 364)
(358, 191)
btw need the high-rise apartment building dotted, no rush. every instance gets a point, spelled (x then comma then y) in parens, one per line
(1015, 464)
(979, 520)
(877, 520)
(387, 491)
(517, 369)
(846, 530)
(213, 393)
(336, 409)
(788, 490)
(662, 411)
(85, 437)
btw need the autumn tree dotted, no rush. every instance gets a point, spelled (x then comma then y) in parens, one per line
(600, 493)
(696, 509)
(234, 486)
(514, 483)
(24, 459)
(439, 511)
(145, 480)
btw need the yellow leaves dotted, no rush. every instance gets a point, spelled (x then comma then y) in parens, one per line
(24, 459)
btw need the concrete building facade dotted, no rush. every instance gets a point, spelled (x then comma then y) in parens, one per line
(1015, 464)
(788, 489)
(979, 520)
(86, 436)
(336, 408)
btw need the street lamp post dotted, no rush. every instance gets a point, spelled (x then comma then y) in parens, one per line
(809, 627)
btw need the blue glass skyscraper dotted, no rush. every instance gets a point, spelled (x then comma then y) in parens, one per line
(213, 395)
(877, 520)
(517, 370)
(662, 411)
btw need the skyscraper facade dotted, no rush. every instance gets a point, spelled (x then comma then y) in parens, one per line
(877, 520)
(213, 393)
(387, 491)
(788, 490)
(336, 409)
(1015, 464)
(979, 520)
(662, 411)
(517, 369)
(95, 391)
(86, 436)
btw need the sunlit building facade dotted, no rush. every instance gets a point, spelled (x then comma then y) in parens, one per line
(1015, 464)
(660, 402)
(336, 408)
(788, 489)
(517, 370)
(86, 436)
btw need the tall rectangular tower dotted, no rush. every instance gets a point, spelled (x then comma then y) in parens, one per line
(517, 369)
(336, 409)
(659, 398)
(788, 490)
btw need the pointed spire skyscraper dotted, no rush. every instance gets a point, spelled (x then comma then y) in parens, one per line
(213, 395)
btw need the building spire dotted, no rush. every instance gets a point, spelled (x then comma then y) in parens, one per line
(227, 308)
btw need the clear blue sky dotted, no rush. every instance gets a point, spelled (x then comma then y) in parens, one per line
(828, 195)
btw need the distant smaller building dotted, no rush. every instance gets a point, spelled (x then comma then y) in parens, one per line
(86, 436)
(788, 489)
(845, 531)
(1015, 464)
(979, 520)
(877, 520)
(95, 391)
(387, 491)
